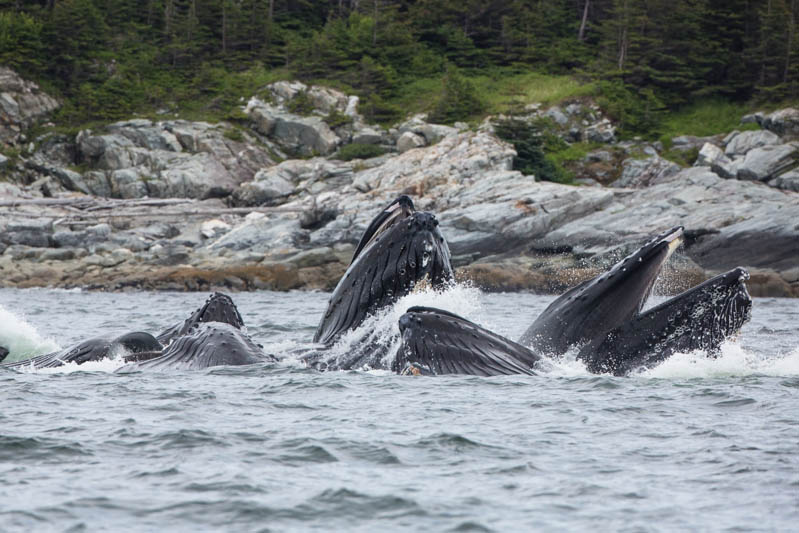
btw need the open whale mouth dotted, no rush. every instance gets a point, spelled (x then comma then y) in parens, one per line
(399, 209)
(700, 318)
(604, 302)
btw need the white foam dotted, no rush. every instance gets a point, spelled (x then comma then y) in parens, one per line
(383, 326)
(103, 365)
(21, 338)
(733, 360)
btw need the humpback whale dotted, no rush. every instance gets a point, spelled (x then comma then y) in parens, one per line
(400, 248)
(438, 342)
(3, 353)
(602, 315)
(218, 308)
(700, 318)
(218, 311)
(94, 349)
(604, 302)
(207, 344)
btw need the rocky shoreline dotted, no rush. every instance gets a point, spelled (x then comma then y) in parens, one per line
(263, 203)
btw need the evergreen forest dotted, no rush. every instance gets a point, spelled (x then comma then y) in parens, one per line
(643, 61)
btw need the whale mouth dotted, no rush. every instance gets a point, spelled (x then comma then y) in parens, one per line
(399, 209)
(604, 302)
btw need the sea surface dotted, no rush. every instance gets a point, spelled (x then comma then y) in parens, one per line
(696, 444)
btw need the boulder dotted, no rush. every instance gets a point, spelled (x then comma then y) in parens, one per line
(684, 143)
(602, 132)
(327, 100)
(710, 155)
(166, 159)
(22, 103)
(638, 173)
(753, 118)
(784, 122)
(409, 141)
(284, 91)
(768, 162)
(557, 116)
(296, 134)
(742, 143)
(368, 135)
(456, 158)
(36, 233)
(788, 181)
(259, 233)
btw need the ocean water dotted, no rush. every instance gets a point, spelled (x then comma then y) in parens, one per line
(695, 444)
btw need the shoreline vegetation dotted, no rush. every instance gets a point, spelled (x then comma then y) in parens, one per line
(659, 68)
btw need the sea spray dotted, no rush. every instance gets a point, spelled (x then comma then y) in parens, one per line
(22, 339)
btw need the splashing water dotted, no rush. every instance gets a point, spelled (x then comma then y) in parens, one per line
(506, 314)
(733, 360)
(22, 339)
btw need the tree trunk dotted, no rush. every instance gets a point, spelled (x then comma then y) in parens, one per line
(789, 48)
(270, 17)
(374, 25)
(581, 33)
(224, 27)
(623, 37)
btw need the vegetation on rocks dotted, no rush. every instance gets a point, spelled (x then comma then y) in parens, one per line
(646, 62)
(358, 151)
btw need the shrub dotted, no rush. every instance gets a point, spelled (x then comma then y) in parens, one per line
(334, 119)
(358, 151)
(459, 99)
(533, 143)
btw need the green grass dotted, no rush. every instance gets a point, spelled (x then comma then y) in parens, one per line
(505, 91)
(706, 117)
(572, 152)
(501, 90)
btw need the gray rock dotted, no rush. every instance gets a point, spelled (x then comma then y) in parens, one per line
(58, 254)
(313, 257)
(753, 118)
(264, 189)
(327, 100)
(262, 234)
(743, 142)
(784, 122)
(409, 141)
(284, 91)
(299, 135)
(574, 109)
(3, 161)
(35, 233)
(684, 143)
(22, 103)
(368, 135)
(788, 181)
(602, 132)
(711, 155)
(557, 116)
(638, 173)
(768, 162)
(435, 132)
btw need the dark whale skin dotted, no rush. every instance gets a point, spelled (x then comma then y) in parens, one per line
(436, 342)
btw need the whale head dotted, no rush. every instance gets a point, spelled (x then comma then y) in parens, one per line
(397, 258)
(218, 308)
(399, 209)
(605, 302)
(700, 318)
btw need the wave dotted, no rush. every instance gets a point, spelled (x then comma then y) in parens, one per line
(733, 361)
(21, 338)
